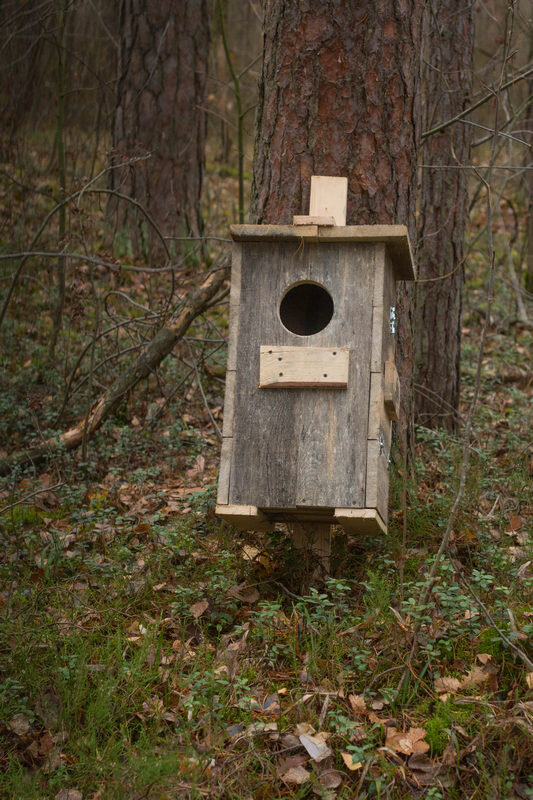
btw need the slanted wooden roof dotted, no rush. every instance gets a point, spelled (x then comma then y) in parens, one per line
(395, 237)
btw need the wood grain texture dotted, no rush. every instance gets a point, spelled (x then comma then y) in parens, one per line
(376, 413)
(229, 403)
(383, 341)
(364, 521)
(295, 367)
(306, 447)
(234, 303)
(389, 301)
(391, 390)
(260, 233)
(377, 473)
(395, 237)
(313, 539)
(224, 474)
(301, 219)
(329, 197)
(245, 518)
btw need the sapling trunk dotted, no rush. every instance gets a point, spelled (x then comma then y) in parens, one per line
(61, 11)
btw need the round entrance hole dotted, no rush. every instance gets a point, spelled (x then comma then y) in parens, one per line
(306, 309)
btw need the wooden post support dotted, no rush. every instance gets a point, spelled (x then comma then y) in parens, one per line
(313, 539)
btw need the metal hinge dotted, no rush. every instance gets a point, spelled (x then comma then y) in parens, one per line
(392, 319)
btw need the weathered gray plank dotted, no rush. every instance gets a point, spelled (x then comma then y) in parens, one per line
(382, 338)
(245, 518)
(302, 447)
(234, 304)
(224, 473)
(331, 457)
(391, 390)
(258, 233)
(377, 473)
(389, 301)
(379, 273)
(394, 236)
(375, 412)
(263, 471)
(313, 539)
(363, 521)
(229, 403)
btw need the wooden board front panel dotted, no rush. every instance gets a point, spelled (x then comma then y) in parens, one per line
(294, 367)
(302, 447)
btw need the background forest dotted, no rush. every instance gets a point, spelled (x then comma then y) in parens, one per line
(148, 650)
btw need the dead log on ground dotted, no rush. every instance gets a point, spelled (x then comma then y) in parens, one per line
(161, 345)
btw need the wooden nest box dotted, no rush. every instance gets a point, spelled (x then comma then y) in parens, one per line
(311, 385)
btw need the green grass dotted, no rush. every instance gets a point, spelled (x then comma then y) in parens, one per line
(149, 651)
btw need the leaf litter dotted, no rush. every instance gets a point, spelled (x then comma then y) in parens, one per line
(237, 675)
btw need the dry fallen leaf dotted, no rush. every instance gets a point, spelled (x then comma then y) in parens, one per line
(479, 675)
(248, 594)
(304, 728)
(19, 724)
(521, 571)
(331, 779)
(423, 768)
(404, 625)
(407, 743)
(266, 705)
(350, 763)
(449, 756)
(316, 746)
(357, 702)
(297, 775)
(250, 553)
(69, 794)
(447, 684)
(515, 523)
(289, 762)
(516, 553)
(197, 609)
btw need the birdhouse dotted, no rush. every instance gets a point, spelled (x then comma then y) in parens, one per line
(311, 385)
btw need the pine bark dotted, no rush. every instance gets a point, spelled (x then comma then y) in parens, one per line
(24, 28)
(161, 96)
(528, 181)
(338, 97)
(443, 214)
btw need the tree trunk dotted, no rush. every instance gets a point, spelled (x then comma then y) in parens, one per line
(164, 52)
(443, 213)
(528, 181)
(24, 28)
(61, 9)
(338, 97)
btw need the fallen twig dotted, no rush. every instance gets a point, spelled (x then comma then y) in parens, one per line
(25, 499)
(160, 346)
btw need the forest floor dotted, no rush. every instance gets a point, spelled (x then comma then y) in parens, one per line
(150, 651)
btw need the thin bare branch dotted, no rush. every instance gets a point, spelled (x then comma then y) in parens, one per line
(443, 125)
